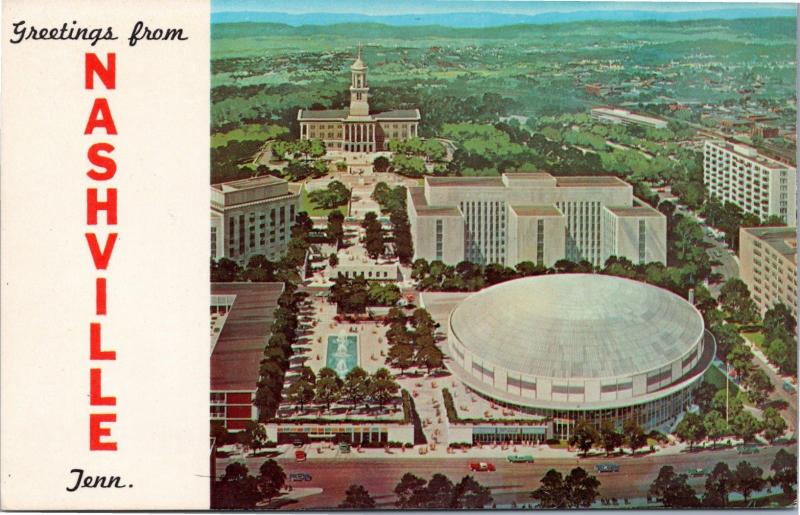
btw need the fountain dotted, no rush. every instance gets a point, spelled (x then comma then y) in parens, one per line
(342, 353)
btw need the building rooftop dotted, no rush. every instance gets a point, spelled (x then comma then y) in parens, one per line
(636, 211)
(323, 114)
(750, 154)
(236, 358)
(577, 326)
(246, 184)
(483, 182)
(536, 211)
(591, 181)
(398, 114)
(422, 207)
(782, 239)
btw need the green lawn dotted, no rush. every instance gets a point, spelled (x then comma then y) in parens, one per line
(313, 209)
(756, 337)
(717, 378)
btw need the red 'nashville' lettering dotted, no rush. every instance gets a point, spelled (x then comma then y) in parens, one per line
(104, 168)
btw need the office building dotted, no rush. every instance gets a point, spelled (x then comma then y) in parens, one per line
(252, 217)
(623, 116)
(533, 217)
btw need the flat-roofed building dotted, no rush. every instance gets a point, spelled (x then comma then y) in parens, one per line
(252, 217)
(241, 320)
(638, 233)
(525, 217)
(623, 116)
(756, 183)
(768, 265)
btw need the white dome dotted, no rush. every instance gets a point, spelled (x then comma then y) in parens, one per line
(570, 326)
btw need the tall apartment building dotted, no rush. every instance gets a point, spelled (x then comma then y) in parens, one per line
(757, 184)
(768, 265)
(533, 217)
(251, 217)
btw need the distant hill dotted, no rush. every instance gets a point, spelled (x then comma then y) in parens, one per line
(774, 29)
(492, 19)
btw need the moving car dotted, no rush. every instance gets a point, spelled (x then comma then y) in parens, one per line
(299, 476)
(514, 458)
(300, 456)
(607, 467)
(481, 467)
(344, 447)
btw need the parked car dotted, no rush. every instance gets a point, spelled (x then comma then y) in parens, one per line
(514, 458)
(788, 387)
(299, 476)
(699, 472)
(298, 443)
(300, 456)
(747, 449)
(344, 447)
(481, 467)
(607, 467)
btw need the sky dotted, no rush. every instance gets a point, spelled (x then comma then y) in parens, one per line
(394, 7)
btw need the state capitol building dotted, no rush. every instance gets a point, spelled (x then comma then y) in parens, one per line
(354, 129)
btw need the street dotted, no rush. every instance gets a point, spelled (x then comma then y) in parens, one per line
(512, 482)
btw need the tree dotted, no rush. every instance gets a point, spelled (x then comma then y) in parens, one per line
(691, 429)
(356, 386)
(718, 485)
(405, 489)
(430, 357)
(634, 434)
(784, 471)
(469, 494)
(732, 400)
(255, 435)
(401, 355)
(577, 490)
(328, 388)
(357, 498)
(673, 489)
(735, 299)
(779, 317)
(741, 358)
(774, 426)
(438, 493)
(552, 492)
(301, 391)
(715, 426)
(609, 436)
(745, 426)
(271, 479)
(380, 164)
(224, 270)
(382, 386)
(236, 489)
(335, 228)
(747, 479)
(584, 435)
(581, 488)
(759, 386)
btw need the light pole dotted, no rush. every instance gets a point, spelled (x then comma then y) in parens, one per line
(727, 380)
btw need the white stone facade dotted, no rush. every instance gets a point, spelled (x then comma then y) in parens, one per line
(252, 217)
(527, 217)
(757, 184)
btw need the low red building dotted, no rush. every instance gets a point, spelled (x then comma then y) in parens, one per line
(241, 318)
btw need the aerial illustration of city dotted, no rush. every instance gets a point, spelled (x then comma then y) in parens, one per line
(503, 255)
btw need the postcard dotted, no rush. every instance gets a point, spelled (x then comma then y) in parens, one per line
(446, 255)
